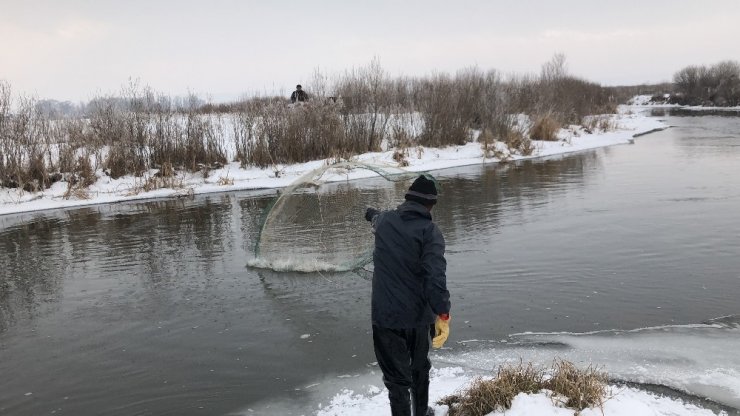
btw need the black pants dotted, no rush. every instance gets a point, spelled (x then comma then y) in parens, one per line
(403, 356)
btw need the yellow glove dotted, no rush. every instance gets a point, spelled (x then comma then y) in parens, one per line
(441, 330)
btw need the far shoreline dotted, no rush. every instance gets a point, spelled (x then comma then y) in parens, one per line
(108, 191)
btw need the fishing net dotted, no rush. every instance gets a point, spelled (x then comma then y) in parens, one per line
(318, 223)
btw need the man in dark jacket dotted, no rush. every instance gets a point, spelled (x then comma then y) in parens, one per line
(410, 298)
(298, 95)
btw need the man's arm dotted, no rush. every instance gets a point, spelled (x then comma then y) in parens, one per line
(434, 266)
(371, 213)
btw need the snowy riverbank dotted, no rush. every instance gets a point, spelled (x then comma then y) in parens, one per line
(232, 177)
(690, 361)
(626, 401)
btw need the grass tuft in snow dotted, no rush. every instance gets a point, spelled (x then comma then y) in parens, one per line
(545, 127)
(565, 383)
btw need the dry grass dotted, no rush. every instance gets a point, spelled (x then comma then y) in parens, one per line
(488, 143)
(516, 141)
(600, 123)
(567, 385)
(400, 155)
(578, 388)
(83, 173)
(225, 181)
(544, 127)
(485, 396)
(76, 192)
(151, 183)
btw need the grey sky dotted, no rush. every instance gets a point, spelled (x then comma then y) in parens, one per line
(77, 49)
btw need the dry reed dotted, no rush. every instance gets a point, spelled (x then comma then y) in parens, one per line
(566, 384)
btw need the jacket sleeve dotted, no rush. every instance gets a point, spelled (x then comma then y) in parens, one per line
(371, 213)
(434, 267)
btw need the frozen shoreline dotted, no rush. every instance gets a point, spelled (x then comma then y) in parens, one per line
(684, 366)
(624, 401)
(643, 102)
(233, 178)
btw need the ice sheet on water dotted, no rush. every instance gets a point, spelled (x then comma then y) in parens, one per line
(701, 360)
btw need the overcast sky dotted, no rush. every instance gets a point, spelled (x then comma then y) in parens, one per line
(76, 49)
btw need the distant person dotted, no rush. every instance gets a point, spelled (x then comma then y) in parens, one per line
(298, 95)
(410, 301)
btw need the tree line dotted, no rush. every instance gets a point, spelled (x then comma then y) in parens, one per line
(361, 110)
(715, 85)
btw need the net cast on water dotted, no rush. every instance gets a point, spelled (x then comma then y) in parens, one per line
(318, 222)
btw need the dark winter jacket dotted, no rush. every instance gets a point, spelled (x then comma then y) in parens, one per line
(409, 283)
(298, 95)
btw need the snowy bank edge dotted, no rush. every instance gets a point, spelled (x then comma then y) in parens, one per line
(108, 191)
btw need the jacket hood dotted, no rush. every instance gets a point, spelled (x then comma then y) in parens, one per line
(410, 209)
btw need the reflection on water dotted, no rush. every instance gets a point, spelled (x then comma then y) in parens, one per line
(474, 202)
(148, 308)
(160, 243)
(166, 243)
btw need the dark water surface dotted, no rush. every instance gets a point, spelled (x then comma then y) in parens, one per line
(148, 309)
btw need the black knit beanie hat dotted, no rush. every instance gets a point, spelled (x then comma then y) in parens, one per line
(423, 191)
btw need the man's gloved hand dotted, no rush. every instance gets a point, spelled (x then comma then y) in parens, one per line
(441, 330)
(370, 213)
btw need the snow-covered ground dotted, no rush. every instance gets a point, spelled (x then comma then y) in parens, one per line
(232, 177)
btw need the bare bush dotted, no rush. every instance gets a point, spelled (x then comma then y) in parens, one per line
(147, 132)
(204, 147)
(367, 91)
(718, 84)
(166, 140)
(445, 122)
(24, 144)
(403, 129)
(117, 130)
(275, 133)
(568, 99)
(244, 123)
(361, 110)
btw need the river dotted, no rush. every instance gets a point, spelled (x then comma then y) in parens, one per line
(148, 308)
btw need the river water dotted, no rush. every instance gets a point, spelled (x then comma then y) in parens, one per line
(148, 309)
